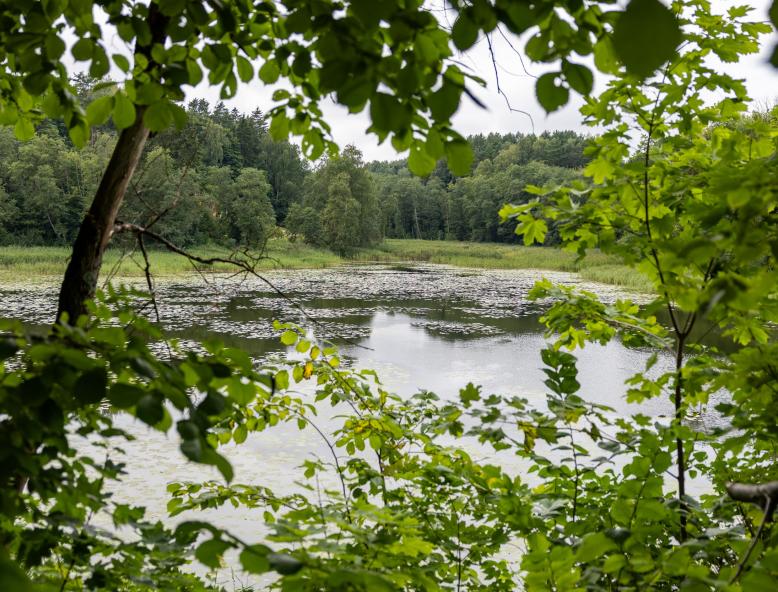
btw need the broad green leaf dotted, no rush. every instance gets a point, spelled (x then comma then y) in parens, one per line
(460, 157)
(124, 395)
(91, 386)
(464, 33)
(593, 546)
(605, 58)
(646, 36)
(99, 110)
(123, 111)
(254, 560)
(388, 113)
(443, 103)
(269, 72)
(82, 49)
(121, 62)
(419, 161)
(284, 564)
(210, 552)
(245, 69)
(158, 116)
(289, 337)
(550, 95)
(24, 129)
(279, 127)
(240, 434)
(79, 133)
(579, 77)
(37, 82)
(149, 409)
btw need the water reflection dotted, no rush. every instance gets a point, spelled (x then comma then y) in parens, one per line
(428, 327)
(424, 327)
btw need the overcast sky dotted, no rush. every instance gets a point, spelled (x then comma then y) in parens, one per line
(761, 79)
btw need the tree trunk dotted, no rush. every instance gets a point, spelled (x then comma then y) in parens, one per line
(83, 269)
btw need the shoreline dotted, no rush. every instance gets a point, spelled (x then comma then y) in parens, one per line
(20, 266)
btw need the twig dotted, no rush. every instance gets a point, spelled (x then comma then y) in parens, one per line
(500, 91)
(247, 263)
(766, 497)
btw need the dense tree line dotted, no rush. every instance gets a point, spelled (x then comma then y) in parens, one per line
(445, 207)
(222, 179)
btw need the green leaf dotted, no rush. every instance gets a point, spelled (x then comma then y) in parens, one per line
(289, 338)
(79, 133)
(158, 116)
(419, 161)
(444, 102)
(149, 409)
(210, 552)
(469, 394)
(82, 49)
(240, 434)
(124, 395)
(284, 564)
(254, 559)
(24, 129)
(594, 546)
(281, 380)
(388, 113)
(123, 111)
(269, 72)
(100, 65)
(245, 69)
(121, 62)
(99, 110)
(549, 94)
(533, 229)
(194, 72)
(460, 157)
(240, 392)
(646, 36)
(464, 33)
(36, 83)
(605, 58)
(579, 77)
(279, 127)
(91, 386)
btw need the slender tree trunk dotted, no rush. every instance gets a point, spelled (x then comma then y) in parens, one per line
(83, 269)
(80, 281)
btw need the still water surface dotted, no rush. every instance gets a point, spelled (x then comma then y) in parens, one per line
(420, 327)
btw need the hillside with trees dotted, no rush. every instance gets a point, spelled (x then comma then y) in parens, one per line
(223, 180)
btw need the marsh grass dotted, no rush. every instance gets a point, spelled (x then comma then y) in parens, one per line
(46, 263)
(28, 264)
(596, 267)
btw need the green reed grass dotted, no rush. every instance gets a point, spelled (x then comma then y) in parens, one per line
(48, 263)
(596, 267)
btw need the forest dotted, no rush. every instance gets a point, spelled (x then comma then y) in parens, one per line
(244, 184)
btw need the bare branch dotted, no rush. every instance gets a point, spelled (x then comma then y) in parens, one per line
(500, 91)
(765, 495)
(243, 260)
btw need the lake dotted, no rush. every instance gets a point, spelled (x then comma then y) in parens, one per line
(420, 327)
(429, 327)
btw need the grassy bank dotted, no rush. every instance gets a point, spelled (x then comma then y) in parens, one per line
(48, 263)
(596, 267)
(45, 263)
